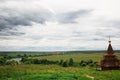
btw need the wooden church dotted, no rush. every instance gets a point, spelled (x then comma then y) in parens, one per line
(110, 61)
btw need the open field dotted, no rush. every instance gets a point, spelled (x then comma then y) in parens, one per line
(54, 72)
(76, 57)
(57, 72)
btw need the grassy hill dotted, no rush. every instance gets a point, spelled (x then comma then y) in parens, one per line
(56, 72)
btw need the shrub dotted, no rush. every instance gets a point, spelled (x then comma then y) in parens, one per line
(89, 62)
(84, 64)
(25, 55)
(81, 62)
(65, 64)
(61, 62)
(70, 63)
(12, 62)
(2, 61)
(23, 59)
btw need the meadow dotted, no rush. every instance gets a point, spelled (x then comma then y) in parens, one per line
(57, 72)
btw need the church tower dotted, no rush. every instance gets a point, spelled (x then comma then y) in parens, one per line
(110, 61)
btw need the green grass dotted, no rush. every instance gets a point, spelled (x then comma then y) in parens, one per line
(76, 57)
(56, 72)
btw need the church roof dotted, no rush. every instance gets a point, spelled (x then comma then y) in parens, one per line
(110, 49)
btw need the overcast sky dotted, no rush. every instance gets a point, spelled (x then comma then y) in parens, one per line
(55, 25)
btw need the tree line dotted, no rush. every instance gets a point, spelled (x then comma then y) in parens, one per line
(67, 63)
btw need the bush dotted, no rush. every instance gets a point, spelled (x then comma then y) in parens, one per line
(90, 63)
(65, 64)
(2, 61)
(61, 62)
(81, 62)
(23, 59)
(37, 61)
(70, 63)
(25, 55)
(12, 62)
(84, 64)
(7, 57)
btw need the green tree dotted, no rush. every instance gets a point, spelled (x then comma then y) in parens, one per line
(2, 61)
(71, 62)
(61, 62)
(65, 64)
(25, 55)
(23, 59)
(83, 63)
(90, 61)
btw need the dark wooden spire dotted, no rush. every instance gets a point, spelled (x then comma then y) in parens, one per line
(110, 49)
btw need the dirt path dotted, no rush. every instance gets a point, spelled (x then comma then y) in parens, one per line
(91, 77)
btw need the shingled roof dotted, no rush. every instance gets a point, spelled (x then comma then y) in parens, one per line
(110, 49)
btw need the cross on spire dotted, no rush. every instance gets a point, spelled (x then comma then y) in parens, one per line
(109, 40)
(110, 49)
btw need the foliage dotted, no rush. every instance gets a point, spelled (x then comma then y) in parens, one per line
(54, 72)
(65, 64)
(61, 62)
(2, 61)
(71, 62)
(23, 59)
(50, 67)
(89, 62)
(7, 56)
(37, 61)
(11, 62)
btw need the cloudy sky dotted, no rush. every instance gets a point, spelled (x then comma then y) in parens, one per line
(50, 25)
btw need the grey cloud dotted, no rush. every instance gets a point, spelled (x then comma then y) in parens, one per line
(98, 39)
(114, 23)
(108, 27)
(109, 23)
(15, 15)
(9, 33)
(12, 16)
(105, 33)
(70, 17)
